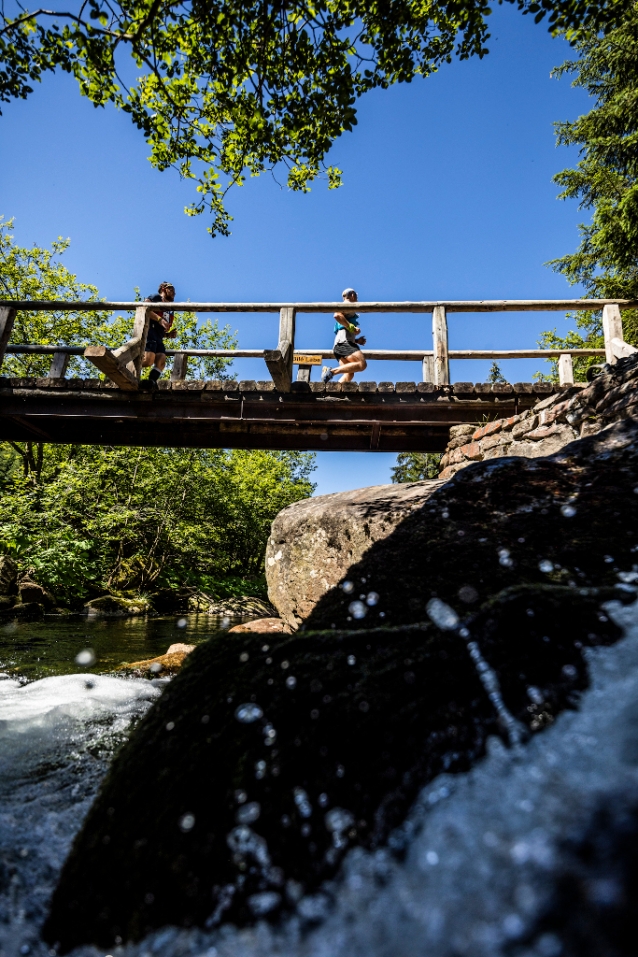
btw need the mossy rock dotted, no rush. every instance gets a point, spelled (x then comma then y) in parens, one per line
(205, 817)
(114, 606)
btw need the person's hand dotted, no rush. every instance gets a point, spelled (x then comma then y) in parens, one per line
(164, 323)
(361, 340)
(171, 334)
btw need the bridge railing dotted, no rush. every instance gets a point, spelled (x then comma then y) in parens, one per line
(123, 365)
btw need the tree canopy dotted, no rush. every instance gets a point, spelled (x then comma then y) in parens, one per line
(605, 181)
(229, 88)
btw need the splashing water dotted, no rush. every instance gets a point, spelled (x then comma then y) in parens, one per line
(442, 615)
(303, 804)
(357, 609)
(248, 813)
(85, 658)
(247, 713)
(347, 587)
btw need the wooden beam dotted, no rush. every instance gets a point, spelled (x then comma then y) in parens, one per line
(439, 335)
(304, 373)
(612, 329)
(180, 366)
(7, 317)
(451, 305)
(59, 365)
(622, 349)
(565, 369)
(279, 360)
(108, 363)
(428, 368)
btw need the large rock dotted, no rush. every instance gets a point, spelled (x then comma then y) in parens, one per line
(245, 784)
(114, 606)
(30, 592)
(569, 519)
(313, 542)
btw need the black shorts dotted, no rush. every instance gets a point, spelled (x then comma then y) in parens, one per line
(344, 349)
(155, 343)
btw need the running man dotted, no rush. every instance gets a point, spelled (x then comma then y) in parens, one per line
(346, 345)
(160, 327)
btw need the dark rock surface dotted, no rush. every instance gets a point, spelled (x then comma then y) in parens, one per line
(571, 519)
(192, 828)
(8, 575)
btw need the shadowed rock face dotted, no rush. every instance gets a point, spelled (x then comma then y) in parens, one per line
(207, 816)
(570, 518)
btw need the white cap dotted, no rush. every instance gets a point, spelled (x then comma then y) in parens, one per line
(347, 292)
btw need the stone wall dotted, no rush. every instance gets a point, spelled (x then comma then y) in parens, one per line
(549, 425)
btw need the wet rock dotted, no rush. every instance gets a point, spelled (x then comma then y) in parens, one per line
(242, 607)
(264, 626)
(29, 611)
(314, 542)
(571, 518)
(271, 764)
(169, 601)
(168, 663)
(6, 601)
(8, 575)
(29, 591)
(112, 606)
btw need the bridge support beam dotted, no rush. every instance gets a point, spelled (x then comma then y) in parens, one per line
(612, 329)
(565, 369)
(7, 316)
(441, 354)
(279, 360)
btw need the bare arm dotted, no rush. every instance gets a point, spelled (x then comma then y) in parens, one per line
(345, 322)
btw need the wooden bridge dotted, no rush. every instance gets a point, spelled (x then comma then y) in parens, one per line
(279, 412)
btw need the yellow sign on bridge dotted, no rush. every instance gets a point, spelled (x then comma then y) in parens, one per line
(300, 360)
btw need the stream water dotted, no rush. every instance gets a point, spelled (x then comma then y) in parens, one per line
(477, 858)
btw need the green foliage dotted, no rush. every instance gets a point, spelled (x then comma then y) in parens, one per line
(416, 466)
(605, 181)
(495, 374)
(229, 89)
(140, 519)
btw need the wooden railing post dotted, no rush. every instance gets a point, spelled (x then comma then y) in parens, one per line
(565, 369)
(439, 336)
(428, 368)
(7, 316)
(180, 365)
(140, 330)
(123, 366)
(612, 329)
(279, 360)
(59, 365)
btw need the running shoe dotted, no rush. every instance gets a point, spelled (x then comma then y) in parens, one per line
(326, 374)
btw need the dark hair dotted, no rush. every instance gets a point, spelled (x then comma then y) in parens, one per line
(165, 285)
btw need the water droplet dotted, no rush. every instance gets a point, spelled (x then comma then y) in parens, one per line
(269, 735)
(535, 694)
(182, 622)
(264, 902)
(504, 558)
(442, 615)
(241, 796)
(187, 822)
(432, 858)
(247, 713)
(224, 624)
(260, 770)
(285, 665)
(568, 511)
(357, 609)
(155, 668)
(628, 577)
(381, 614)
(303, 804)
(291, 681)
(170, 725)
(468, 594)
(244, 656)
(445, 514)
(337, 821)
(347, 587)
(352, 660)
(340, 770)
(546, 566)
(364, 707)
(372, 599)
(323, 800)
(85, 658)
(569, 671)
(248, 813)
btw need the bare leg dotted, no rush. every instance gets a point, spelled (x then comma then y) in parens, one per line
(149, 359)
(354, 363)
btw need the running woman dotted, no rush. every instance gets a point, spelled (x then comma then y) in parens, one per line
(160, 327)
(346, 345)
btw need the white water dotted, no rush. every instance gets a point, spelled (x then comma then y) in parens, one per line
(481, 848)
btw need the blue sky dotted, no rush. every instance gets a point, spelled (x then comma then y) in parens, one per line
(447, 193)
